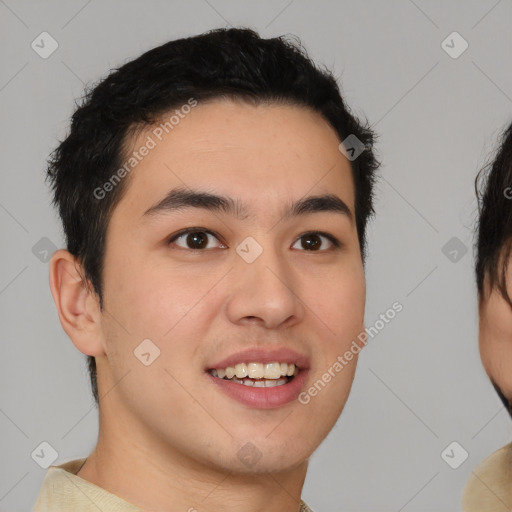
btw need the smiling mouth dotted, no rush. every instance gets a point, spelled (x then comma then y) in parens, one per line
(257, 375)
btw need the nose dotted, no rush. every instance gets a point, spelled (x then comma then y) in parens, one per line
(264, 292)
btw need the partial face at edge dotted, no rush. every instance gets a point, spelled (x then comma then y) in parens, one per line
(200, 306)
(495, 337)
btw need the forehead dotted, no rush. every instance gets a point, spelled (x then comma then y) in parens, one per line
(261, 154)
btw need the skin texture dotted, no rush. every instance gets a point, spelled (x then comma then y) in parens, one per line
(165, 427)
(495, 337)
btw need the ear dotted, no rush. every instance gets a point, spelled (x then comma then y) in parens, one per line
(77, 305)
(495, 338)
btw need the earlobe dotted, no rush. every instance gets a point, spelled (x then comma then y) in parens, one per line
(77, 306)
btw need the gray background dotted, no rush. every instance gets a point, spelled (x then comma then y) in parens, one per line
(420, 384)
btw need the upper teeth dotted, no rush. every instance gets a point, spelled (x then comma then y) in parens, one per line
(256, 370)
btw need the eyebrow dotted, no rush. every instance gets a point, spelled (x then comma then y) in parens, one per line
(182, 198)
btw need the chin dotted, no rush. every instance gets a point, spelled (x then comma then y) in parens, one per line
(250, 458)
(275, 464)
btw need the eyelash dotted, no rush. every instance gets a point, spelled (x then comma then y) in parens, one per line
(335, 242)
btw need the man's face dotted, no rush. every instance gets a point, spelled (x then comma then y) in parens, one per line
(201, 299)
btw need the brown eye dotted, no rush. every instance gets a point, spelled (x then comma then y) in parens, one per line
(193, 239)
(313, 241)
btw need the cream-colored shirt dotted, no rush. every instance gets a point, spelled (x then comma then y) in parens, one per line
(489, 489)
(64, 491)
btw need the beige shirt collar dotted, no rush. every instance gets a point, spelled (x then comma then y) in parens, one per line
(489, 488)
(62, 490)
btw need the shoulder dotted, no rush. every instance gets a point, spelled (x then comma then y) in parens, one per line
(304, 507)
(490, 485)
(64, 490)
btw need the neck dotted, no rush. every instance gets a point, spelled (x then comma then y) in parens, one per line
(147, 472)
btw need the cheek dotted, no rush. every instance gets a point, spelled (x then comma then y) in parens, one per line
(497, 360)
(153, 300)
(348, 320)
(341, 301)
(495, 342)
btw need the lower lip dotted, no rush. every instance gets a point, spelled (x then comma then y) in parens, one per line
(263, 398)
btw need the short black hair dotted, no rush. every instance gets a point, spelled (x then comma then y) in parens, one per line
(493, 187)
(234, 63)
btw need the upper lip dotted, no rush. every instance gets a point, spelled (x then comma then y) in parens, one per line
(260, 355)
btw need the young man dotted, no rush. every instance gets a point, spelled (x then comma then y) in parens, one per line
(215, 227)
(490, 486)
